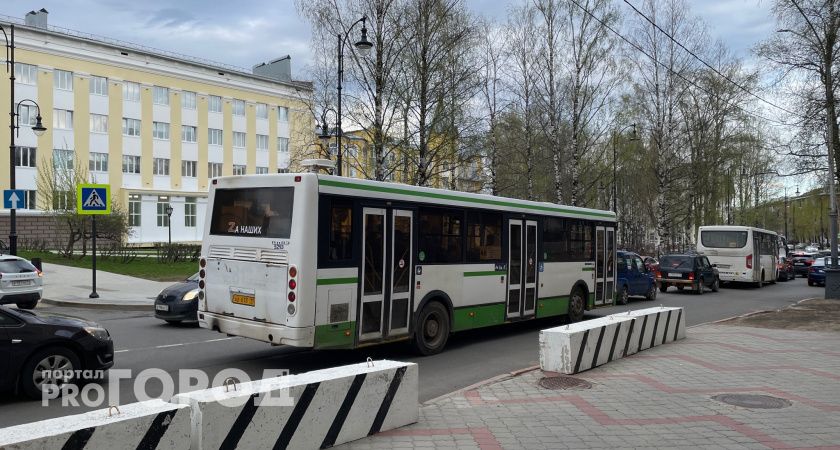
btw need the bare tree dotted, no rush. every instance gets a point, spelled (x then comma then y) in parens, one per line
(490, 47)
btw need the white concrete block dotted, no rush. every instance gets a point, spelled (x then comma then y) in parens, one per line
(655, 326)
(147, 425)
(327, 407)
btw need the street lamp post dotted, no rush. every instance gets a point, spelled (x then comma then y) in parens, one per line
(169, 224)
(325, 133)
(787, 237)
(363, 46)
(14, 126)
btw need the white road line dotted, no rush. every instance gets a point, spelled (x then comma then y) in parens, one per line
(176, 345)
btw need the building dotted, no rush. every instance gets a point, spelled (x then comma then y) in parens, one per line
(155, 125)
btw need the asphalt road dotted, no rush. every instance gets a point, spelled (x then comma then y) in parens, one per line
(144, 342)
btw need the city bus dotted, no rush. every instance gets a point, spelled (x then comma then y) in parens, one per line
(742, 254)
(320, 261)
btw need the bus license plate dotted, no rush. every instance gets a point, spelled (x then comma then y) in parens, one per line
(242, 299)
(20, 283)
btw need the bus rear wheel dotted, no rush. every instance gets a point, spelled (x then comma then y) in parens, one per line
(433, 329)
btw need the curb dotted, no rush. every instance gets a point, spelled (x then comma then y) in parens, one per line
(496, 379)
(753, 313)
(101, 306)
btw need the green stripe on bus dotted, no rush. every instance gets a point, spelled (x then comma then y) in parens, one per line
(553, 306)
(588, 269)
(485, 273)
(468, 317)
(335, 335)
(328, 281)
(483, 201)
(591, 301)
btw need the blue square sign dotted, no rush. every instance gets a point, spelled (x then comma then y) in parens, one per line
(93, 199)
(14, 199)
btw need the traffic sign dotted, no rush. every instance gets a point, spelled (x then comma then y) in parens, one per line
(14, 199)
(93, 199)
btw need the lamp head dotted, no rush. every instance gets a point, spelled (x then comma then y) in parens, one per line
(39, 129)
(363, 46)
(169, 211)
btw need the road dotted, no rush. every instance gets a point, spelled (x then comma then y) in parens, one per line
(144, 342)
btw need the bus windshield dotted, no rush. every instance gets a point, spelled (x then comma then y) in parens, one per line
(724, 239)
(254, 212)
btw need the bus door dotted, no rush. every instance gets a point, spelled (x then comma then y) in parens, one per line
(372, 296)
(399, 299)
(756, 251)
(604, 265)
(522, 268)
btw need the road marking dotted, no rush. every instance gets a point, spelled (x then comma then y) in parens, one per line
(176, 345)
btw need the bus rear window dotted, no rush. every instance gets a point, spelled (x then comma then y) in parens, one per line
(723, 239)
(255, 212)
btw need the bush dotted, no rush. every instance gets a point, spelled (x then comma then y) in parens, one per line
(170, 253)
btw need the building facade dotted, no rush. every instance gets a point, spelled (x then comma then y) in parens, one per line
(155, 126)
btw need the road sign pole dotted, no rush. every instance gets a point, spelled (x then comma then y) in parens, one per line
(93, 233)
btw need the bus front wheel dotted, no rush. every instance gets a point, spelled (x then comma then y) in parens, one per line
(433, 329)
(576, 306)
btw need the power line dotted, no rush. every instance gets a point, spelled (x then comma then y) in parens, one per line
(681, 76)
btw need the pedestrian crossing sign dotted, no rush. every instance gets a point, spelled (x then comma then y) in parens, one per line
(93, 199)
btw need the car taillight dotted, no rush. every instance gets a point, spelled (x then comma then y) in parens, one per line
(749, 261)
(808, 262)
(658, 274)
(691, 276)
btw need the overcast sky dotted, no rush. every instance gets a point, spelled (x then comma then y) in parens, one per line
(247, 32)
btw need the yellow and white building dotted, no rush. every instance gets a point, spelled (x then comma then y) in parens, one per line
(155, 126)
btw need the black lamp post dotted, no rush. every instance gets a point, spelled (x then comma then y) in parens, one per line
(363, 46)
(14, 126)
(326, 133)
(169, 223)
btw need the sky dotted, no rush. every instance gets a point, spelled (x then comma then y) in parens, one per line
(248, 32)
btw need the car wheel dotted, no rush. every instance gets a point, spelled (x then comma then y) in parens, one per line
(624, 297)
(577, 305)
(433, 331)
(663, 287)
(40, 369)
(651, 294)
(28, 305)
(810, 283)
(700, 287)
(716, 285)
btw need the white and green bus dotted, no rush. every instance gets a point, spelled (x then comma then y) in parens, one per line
(320, 261)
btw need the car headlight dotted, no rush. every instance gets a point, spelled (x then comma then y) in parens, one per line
(98, 333)
(191, 295)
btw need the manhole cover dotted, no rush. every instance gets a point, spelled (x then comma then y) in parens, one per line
(560, 383)
(753, 401)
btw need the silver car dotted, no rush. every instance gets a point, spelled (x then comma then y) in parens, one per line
(20, 282)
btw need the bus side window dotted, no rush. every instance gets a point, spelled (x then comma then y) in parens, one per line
(341, 232)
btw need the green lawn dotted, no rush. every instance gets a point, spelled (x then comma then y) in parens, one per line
(148, 268)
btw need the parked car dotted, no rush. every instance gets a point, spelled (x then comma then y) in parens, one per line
(179, 302)
(692, 271)
(21, 283)
(34, 346)
(816, 272)
(651, 263)
(801, 263)
(784, 269)
(633, 278)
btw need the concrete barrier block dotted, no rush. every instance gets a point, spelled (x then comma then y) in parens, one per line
(145, 425)
(655, 326)
(326, 408)
(583, 345)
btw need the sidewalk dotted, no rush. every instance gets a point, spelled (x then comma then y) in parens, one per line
(661, 397)
(71, 286)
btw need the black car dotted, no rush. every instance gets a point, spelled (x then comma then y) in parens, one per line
(179, 302)
(692, 271)
(802, 262)
(36, 347)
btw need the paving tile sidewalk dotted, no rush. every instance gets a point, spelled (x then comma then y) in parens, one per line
(658, 398)
(71, 286)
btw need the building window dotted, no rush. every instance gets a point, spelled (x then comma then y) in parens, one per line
(441, 236)
(63, 159)
(63, 80)
(98, 162)
(188, 169)
(214, 104)
(62, 201)
(160, 166)
(28, 115)
(283, 170)
(131, 91)
(214, 170)
(283, 145)
(238, 139)
(282, 114)
(190, 212)
(26, 73)
(98, 85)
(262, 111)
(238, 169)
(131, 127)
(162, 205)
(238, 107)
(25, 156)
(62, 119)
(160, 130)
(134, 210)
(188, 133)
(262, 170)
(262, 142)
(161, 96)
(214, 136)
(98, 123)
(29, 201)
(188, 100)
(130, 164)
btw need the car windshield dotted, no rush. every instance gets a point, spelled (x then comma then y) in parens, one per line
(723, 239)
(16, 266)
(675, 262)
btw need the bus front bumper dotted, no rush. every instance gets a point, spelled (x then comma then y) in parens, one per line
(266, 332)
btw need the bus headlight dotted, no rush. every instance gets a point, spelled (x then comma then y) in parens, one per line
(191, 295)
